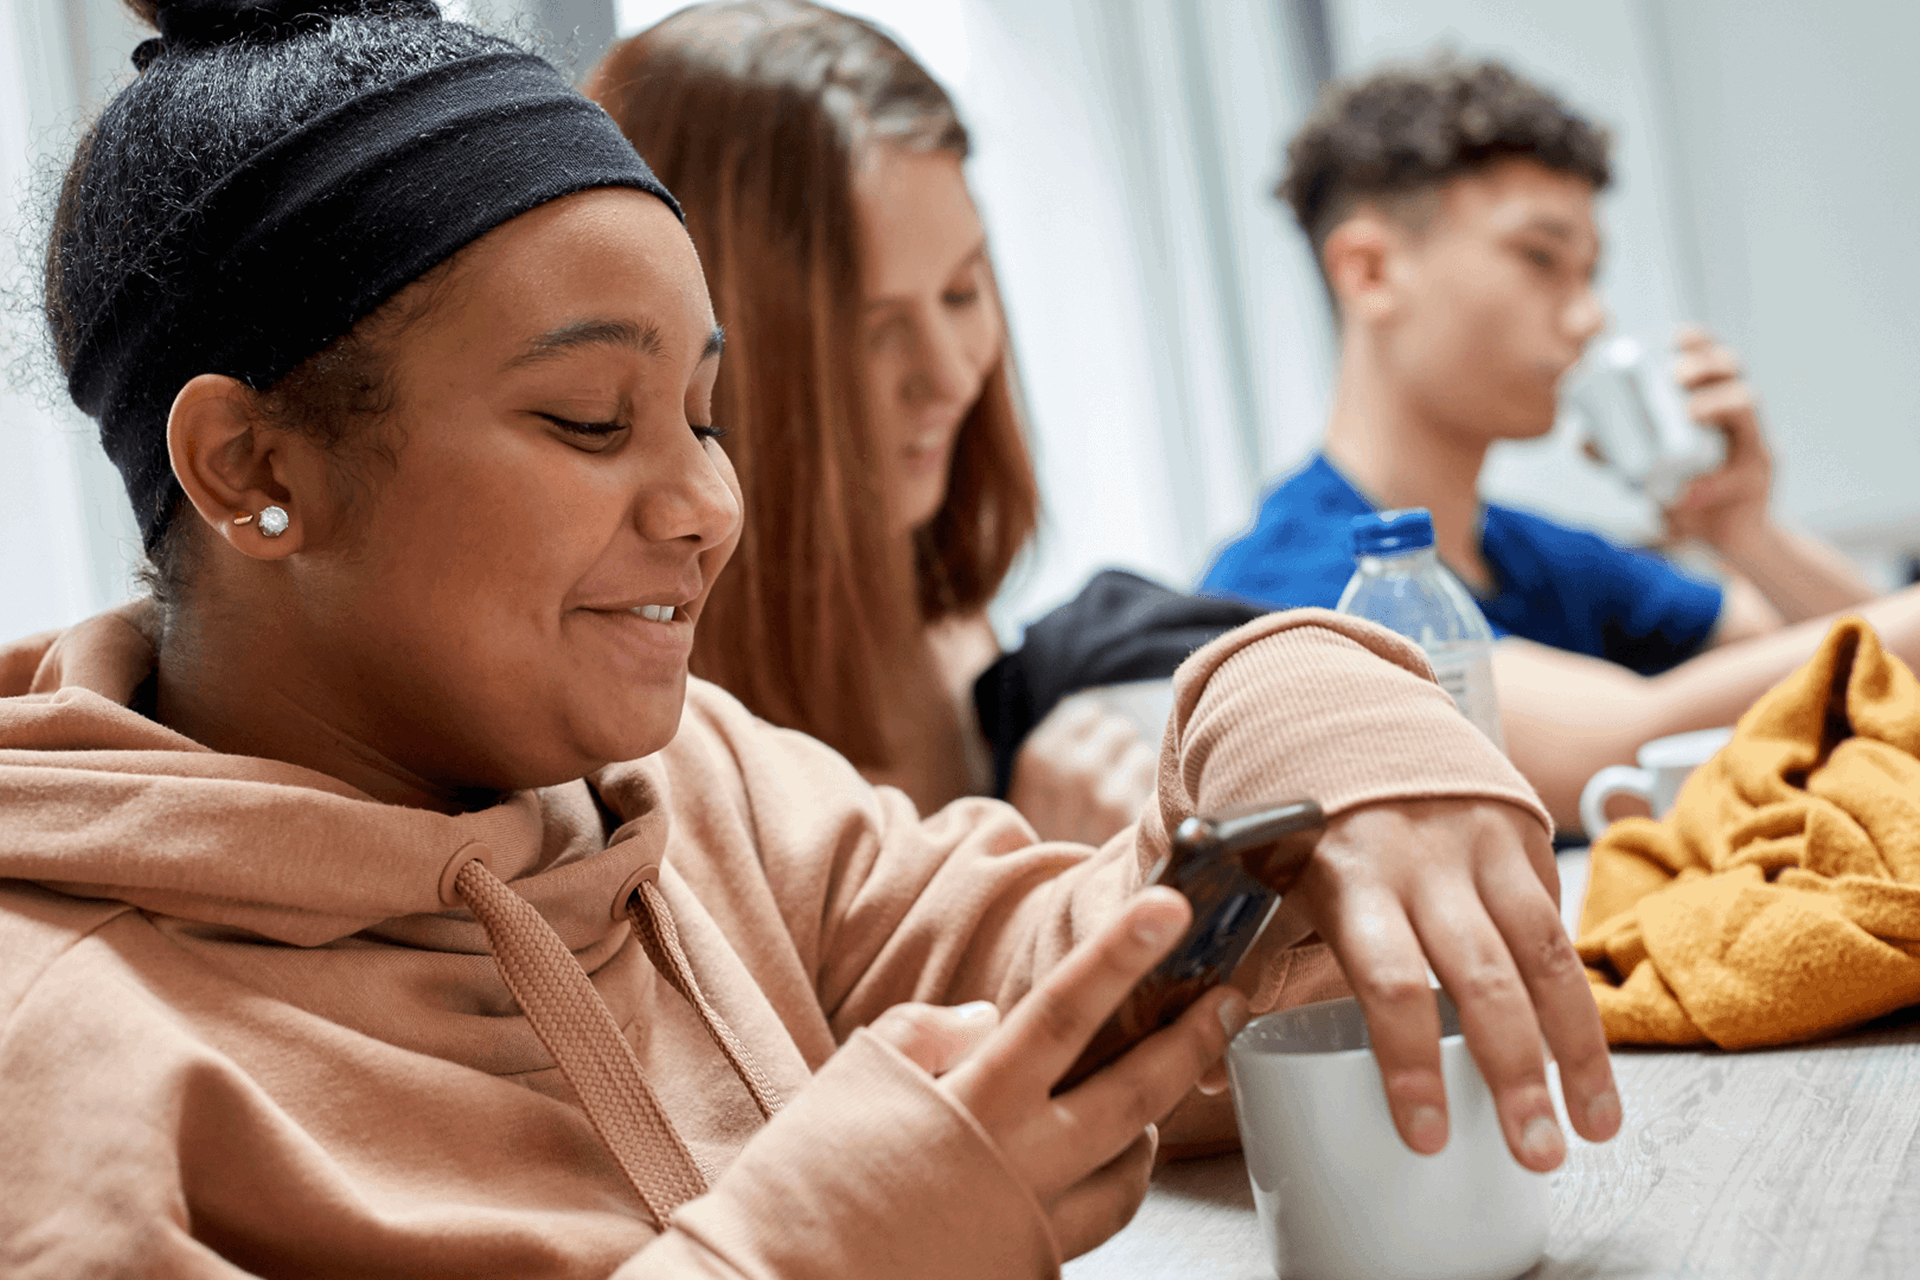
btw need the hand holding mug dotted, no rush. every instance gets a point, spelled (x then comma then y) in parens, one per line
(1718, 506)
(1470, 887)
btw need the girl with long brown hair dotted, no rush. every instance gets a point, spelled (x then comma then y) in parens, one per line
(878, 424)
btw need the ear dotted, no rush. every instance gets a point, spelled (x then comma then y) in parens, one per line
(233, 466)
(1359, 257)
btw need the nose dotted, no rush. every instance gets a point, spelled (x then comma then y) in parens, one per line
(688, 497)
(941, 369)
(1585, 316)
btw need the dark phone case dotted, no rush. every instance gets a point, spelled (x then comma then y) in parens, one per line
(1232, 867)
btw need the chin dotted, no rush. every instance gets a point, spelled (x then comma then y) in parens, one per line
(616, 727)
(1531, 423)
(652, 721)
(648, 731)
(922, 512)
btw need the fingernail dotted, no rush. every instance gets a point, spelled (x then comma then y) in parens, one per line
(1427, 1126)
(1233, 1014)
(1603, 1113)
(1542, 1140)
(975, 1012)
(1154, 932)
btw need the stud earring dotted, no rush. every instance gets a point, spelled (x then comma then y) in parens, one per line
(273, 521)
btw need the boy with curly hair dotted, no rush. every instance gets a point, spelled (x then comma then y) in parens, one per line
(1450, 206)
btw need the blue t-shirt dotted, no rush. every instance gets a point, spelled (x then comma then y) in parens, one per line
(1555, 585)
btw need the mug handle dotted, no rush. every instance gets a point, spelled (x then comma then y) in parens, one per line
(1614, 780)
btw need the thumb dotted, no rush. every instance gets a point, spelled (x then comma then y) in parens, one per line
(936, 1037)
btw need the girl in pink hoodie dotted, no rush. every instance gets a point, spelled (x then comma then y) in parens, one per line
(381, 898)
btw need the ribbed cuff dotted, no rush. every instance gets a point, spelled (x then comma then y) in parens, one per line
(1310, 703)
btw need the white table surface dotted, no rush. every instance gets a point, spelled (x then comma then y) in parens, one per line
(1791, 1163)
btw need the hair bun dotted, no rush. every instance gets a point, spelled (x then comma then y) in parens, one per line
(191, 23)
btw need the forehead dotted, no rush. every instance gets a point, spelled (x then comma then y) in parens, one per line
(1515, 197)
(607, 255)
(917, 222)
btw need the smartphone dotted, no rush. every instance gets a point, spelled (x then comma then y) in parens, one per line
(1233, 867)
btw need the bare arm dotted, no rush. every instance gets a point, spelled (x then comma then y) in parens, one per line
(1744, 614)
(1794, 576)
(1566, 715)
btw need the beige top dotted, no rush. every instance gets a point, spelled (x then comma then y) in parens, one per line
(245, 1028)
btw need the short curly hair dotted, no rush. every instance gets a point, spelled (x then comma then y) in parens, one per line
(1408, 130)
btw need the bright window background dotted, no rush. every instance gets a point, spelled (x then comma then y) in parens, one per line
(1174, 344)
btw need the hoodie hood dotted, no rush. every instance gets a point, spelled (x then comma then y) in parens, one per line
(104, 803)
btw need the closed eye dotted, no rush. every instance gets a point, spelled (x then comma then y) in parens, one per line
(709, 432)
(593, 430)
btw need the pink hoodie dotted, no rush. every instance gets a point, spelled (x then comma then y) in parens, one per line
(252, 1022)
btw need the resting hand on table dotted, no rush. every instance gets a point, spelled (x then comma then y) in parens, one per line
(1087, 1153)
(1082, 774)
(1470, 888)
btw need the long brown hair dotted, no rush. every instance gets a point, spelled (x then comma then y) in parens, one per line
(756, 115)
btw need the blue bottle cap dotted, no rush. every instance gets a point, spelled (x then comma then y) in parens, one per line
(1387, 533)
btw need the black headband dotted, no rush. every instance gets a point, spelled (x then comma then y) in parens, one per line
(314, 231)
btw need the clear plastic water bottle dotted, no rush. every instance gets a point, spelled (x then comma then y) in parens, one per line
(1400, 583)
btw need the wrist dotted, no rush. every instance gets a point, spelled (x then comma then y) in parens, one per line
(1748, 542)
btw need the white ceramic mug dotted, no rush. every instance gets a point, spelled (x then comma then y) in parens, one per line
(1338, 1193)
(1665, 763)
(1624, 394)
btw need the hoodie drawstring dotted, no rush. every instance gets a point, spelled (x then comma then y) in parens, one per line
(660, 938)
(577, 1028)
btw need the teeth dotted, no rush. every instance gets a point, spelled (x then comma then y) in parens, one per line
(656, 612)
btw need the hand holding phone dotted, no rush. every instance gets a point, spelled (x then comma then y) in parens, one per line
(1232, 867)
(1086, 1154)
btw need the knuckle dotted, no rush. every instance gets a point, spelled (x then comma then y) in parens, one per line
(1554, 959)
(1417, 1083)
(1123, 963)
(1393, 986)
(1138, 1103)
(1485, 982)
(1056, 1018)
(1209, 1043)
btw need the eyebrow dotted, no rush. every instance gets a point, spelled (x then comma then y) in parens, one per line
(1554, 227)
(623, 334)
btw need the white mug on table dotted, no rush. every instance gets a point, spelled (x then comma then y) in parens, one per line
(1664, 765)
(1338, 1193)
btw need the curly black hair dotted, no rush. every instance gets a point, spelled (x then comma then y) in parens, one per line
(1409, 130)
(230, 78)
